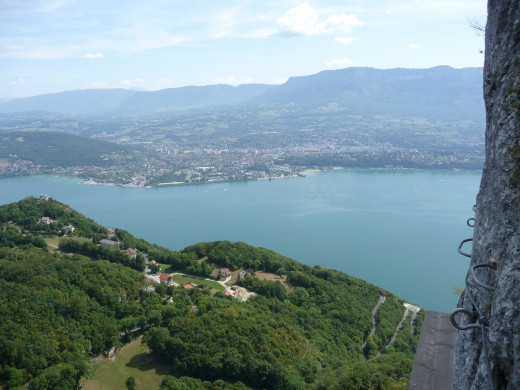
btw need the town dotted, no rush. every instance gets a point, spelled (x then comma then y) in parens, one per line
(158, 156)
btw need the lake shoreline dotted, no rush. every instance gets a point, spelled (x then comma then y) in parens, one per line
(396, 229)
(301, 174)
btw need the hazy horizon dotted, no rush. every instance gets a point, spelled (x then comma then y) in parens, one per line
(62, 45)
(5, 99)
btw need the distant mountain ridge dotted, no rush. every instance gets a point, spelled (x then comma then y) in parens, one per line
(391, 90)
(99, 101)
(439, 91)
(88, 101)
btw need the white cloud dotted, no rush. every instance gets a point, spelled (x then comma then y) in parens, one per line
(92, 56)
(136, 83)
(299, 20)
(97, 85)
(345, 40)
(20, 82)
(338, 63)
(226, 20)
(303, 20)
(414, 46)
(338, 22)
(277, 81)
(223, 34)
(232, 80)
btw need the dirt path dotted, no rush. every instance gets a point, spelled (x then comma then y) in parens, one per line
(224, 282)
(374, 313)
(112, 354)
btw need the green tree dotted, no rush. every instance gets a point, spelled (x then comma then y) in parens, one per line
(154, 268)
(281, 272)
(371, 347)
(161, 289)
(130, 383)
(14, 377)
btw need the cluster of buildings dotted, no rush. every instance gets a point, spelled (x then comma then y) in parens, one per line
(229, 291)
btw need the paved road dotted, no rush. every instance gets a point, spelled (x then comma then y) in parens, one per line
(374, 313)
(408, 307)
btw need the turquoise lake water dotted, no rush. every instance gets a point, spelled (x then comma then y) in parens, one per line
(396, 229)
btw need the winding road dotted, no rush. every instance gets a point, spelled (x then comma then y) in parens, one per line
(407, 308)
(374, 314)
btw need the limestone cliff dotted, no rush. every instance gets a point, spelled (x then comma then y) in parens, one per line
(497, 229)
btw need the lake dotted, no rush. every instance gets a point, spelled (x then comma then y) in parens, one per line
(396, 229)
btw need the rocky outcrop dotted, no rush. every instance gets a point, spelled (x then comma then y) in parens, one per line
(493, 361)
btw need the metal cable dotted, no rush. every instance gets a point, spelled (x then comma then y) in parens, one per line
(482, 321)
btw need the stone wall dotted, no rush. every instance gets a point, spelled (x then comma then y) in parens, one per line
(497, 229)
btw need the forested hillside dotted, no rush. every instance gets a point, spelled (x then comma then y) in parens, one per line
(66, 298)
(58, 149)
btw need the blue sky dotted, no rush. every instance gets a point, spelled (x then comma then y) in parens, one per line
(55, 45)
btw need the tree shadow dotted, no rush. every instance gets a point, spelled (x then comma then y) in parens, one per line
(147, 361)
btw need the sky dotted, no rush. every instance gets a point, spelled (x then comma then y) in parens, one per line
(49, 46)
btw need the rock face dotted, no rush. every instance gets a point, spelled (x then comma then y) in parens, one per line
(497, 229)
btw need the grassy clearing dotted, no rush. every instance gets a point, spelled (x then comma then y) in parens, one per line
(166, 268)
(183, 279)
(275, 278)
(134, 359)
(52, 242)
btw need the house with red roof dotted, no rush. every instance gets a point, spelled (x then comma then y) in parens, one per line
(224, 272)
(165, 278)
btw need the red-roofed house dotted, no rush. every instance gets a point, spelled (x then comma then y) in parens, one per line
(187, 286)
(132, 253)
(224, 272)
(165, 278)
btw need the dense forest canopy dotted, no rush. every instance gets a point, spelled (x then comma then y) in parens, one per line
(65, 298)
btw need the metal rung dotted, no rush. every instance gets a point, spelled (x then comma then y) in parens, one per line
(459, 249)
(463, 327)
(493, 266)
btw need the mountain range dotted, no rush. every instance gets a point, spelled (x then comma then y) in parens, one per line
(441, 91)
